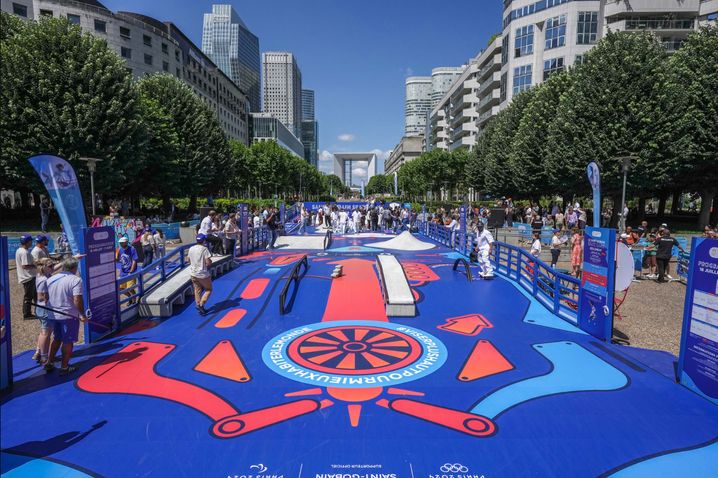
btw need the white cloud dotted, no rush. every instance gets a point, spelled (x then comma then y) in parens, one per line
(361, 164)
(346, 137)
(359, 172)
(409, 72)
(326, 162)
(383, 155)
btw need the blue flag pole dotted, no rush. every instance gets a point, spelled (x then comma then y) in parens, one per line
(594, 177)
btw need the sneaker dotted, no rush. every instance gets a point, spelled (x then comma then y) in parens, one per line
(202, 311)
(36, 356)
(49, 366)
(68, 370)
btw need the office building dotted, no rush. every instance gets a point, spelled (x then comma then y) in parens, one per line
(234, 49)
(417, 104)
(150, 46)
(265, 127)
(408, 149)
(308, 105)
(671, 20)
(21, 8)
(441, 80)
(282, 82)
(310, 138)
(344, 168)
(470, 102)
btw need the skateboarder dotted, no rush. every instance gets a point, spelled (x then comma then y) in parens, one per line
(484, 245)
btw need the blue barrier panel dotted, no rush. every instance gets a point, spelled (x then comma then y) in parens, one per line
(6, 335)
(98, 276)
(14, 244)
(597, 287)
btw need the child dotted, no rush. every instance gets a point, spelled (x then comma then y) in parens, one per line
(536, 245)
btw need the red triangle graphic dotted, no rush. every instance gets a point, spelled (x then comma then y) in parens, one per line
(224, 361)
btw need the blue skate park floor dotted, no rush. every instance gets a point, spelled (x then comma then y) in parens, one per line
(483, 381)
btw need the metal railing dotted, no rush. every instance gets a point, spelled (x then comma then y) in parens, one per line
(294, 277)
(467, 268)
(328, 239)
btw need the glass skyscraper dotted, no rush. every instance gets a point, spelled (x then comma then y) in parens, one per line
(307, 105)
(234, 49)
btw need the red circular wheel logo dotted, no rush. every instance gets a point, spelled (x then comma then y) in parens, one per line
(354, 350)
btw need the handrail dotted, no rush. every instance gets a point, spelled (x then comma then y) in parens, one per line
(467, 268)
(328, 239)
(293, 277)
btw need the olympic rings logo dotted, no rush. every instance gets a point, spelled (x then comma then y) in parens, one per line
(453, 468)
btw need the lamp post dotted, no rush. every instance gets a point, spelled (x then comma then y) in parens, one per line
(625, 165)
(92, 167)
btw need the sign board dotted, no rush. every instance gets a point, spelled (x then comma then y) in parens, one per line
(5, 339)
(98, 275)
(346, 206)
(462, 227)
(595, 310)
(244, 226)
(698, 359)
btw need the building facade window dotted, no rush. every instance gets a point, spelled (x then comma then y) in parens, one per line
(522, 78)
(505, 50)
(148, 59)
(125, 32)
(19, 9)
(73, 18)
(46, 13)
(126, 52)
(147, 40)
(165, 66)
(504, 80)
(579, 60)
(587, 28)
(100, 26)
(555, 32)
(554, 65)
(177, 55)
(524, 42)
(165, 49)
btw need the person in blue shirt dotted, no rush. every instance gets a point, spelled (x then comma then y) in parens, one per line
(126, 258)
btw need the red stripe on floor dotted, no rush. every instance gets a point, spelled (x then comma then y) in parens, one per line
(231, 318)
(254, 289)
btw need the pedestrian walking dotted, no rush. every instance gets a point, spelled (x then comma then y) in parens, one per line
(26, 272)
(273, 226)
(664, 251)
(64, 295)
(555, 247)
(200, 260)
(45, 269)
(44, 213)
(126, 258)
(231, 233)
(484, 245)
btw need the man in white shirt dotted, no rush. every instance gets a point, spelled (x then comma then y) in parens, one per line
(343, 217)
(206, 227)
(26, 272)
(484, 244)
(64, 297)
(40, 249)
(200, 259)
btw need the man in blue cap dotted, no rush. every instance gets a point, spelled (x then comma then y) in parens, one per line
(26, 272)
(200, 260)
(40, 250)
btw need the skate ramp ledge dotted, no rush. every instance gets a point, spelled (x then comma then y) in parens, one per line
(398, 296)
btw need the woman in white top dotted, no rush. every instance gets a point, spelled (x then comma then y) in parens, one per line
(148, 247)
(555, 247)
(159, 238)
(536, 245)
(45, 268)
(231, 233)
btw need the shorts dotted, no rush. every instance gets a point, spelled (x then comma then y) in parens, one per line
(46, 323)
(67, 331)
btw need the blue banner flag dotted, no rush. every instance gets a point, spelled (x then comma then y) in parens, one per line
(594, 177)
(61, 183)
(396, 184)
(362, 188)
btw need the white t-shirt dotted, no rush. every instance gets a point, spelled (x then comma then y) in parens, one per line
(61, 290)
(555, 242)
(39, 253)
(536, 247)
(23, 257)
(148, 240)
(205, 226)
(256, 222)
(197, 258)
(160, 241)
(485, 238)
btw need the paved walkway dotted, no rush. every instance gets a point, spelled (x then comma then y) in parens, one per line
(483, 381)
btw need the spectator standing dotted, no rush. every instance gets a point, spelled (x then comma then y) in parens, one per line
(643, 230)
(159, 238)
(64, 293)
(536, 245)
(206, 227)
(40, 250)
(664, 252)
(571, 218)
(582, 217)
(231, 233)
(273, 226)
(26, 272)
(126, 258)
(200, 259)
(555, 247)
(576, 252)
(45, 270)
(148, 247)
(651, 257)
(44, 213)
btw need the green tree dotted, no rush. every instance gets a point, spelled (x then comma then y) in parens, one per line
(688, 132)
(204, 165)
(66, 93)
(333, 184)
(607, 112)
(379, 184)
(526, 159)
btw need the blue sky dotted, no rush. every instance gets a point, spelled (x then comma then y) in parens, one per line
(355, 54)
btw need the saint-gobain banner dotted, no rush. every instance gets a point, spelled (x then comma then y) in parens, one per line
(347, 206)
(597, 282)
(61, 183)
(698, 360)
(98, 275)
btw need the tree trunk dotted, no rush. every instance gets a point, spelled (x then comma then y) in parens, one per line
(707, 197)
(661, 213)
(617, 211)
(192, 204)
(641, 208)
(676, 203)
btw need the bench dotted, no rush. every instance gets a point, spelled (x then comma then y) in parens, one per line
(398, 296)
(160, 300)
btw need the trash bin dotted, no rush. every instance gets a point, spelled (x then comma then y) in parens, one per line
(188, 234)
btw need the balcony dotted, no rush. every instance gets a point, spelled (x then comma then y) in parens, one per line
(623, 7)
(492, 82)
(484, 117)
(660, 24)
(490, 99)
